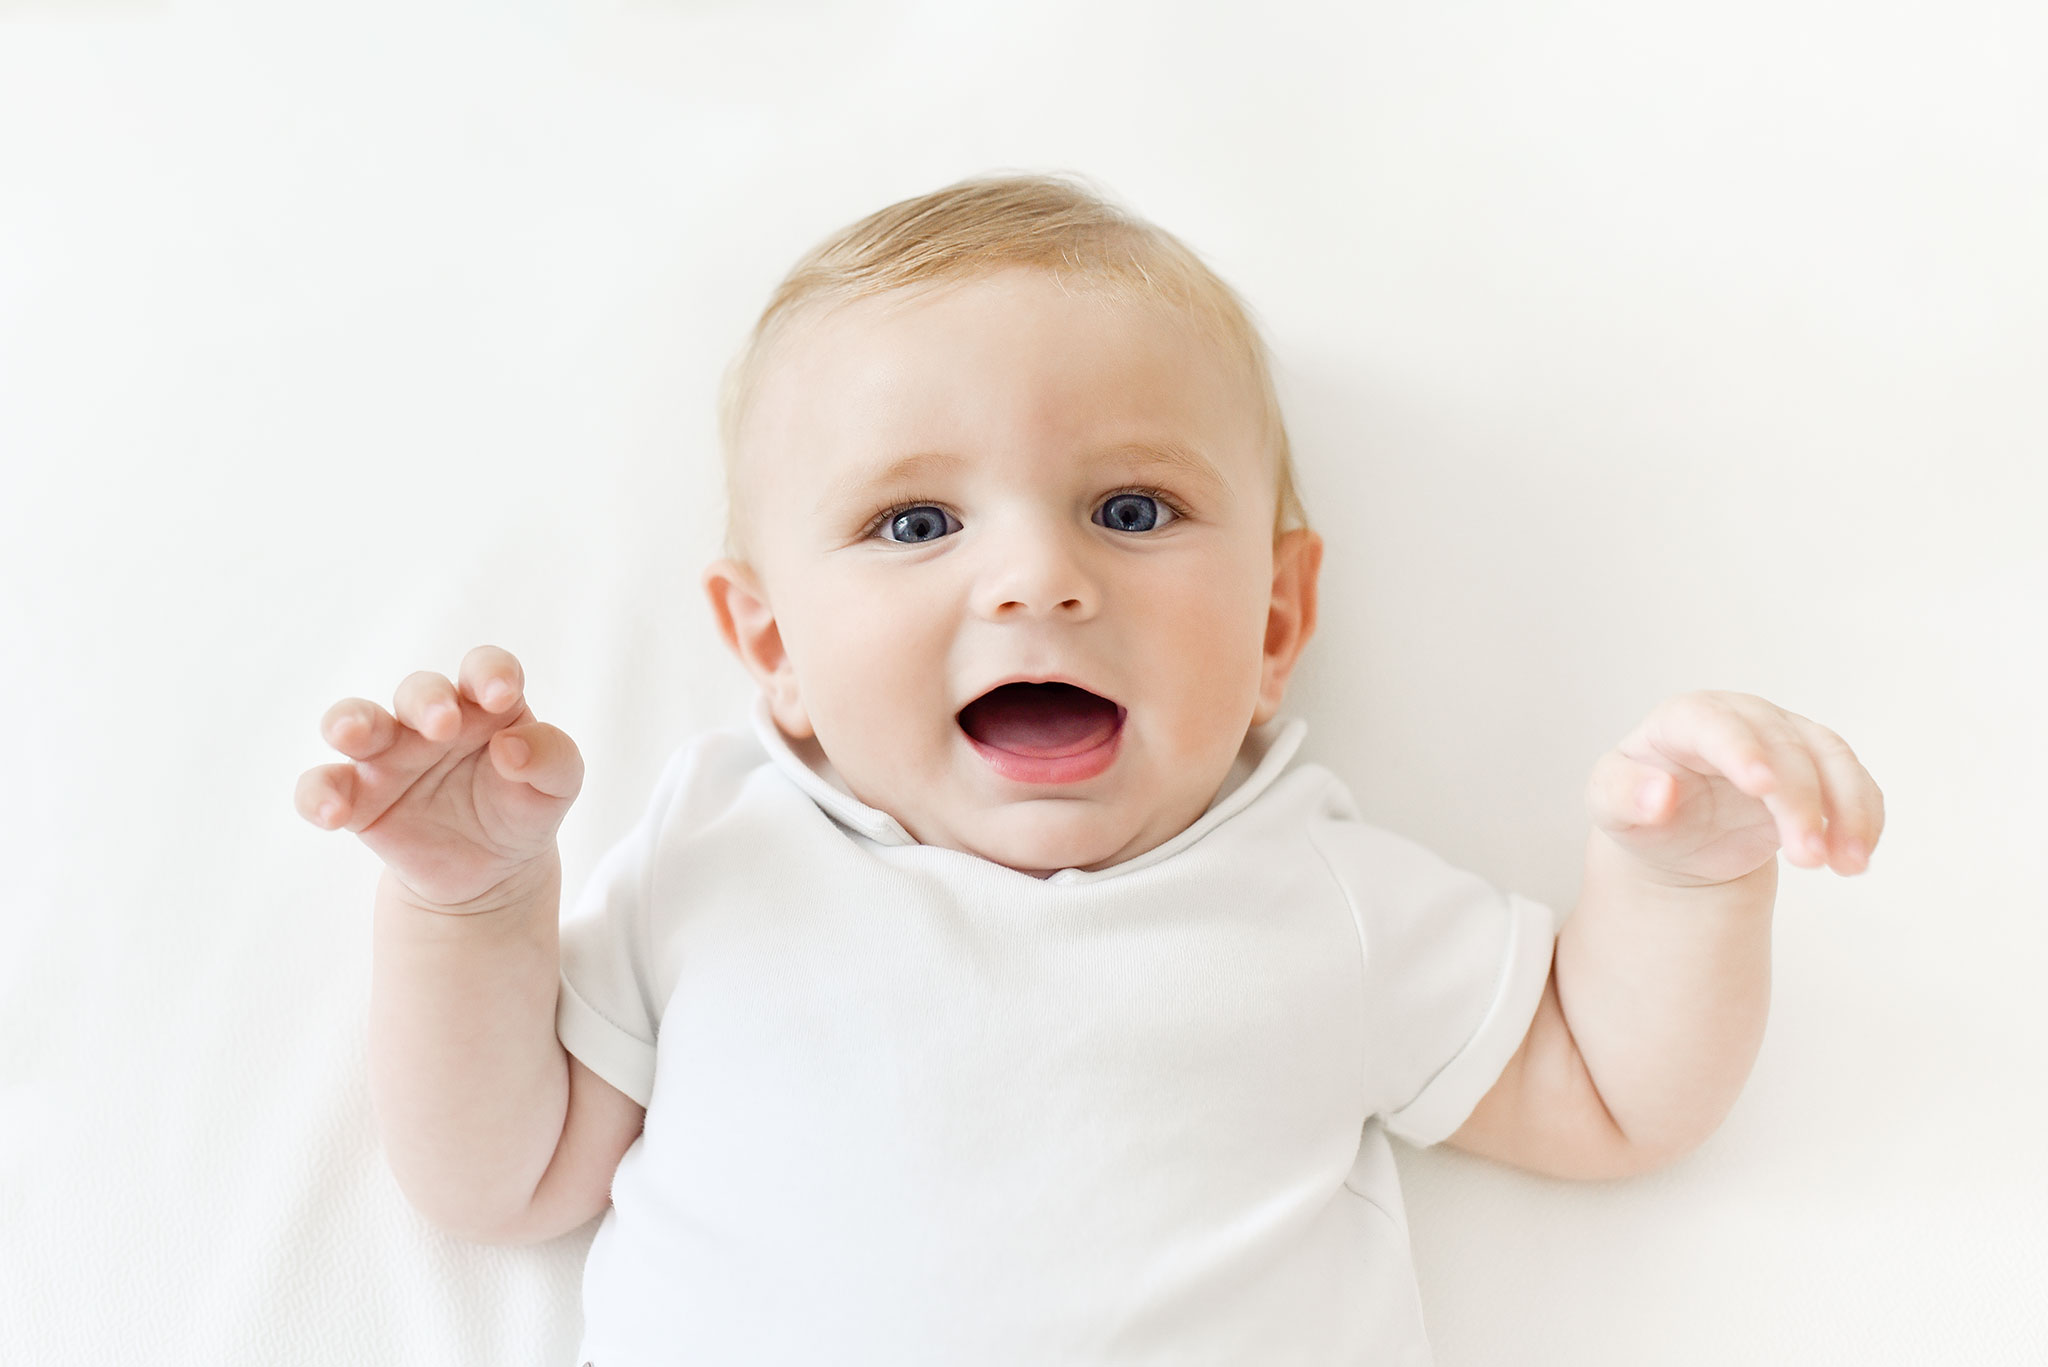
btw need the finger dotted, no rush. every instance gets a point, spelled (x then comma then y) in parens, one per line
(1791, 788)
(358, 728)
(1797, 794)
(426, 702)
(1855, 804)
(540, 756)
(492, 679)
(1707, 735)
(1793, 796)
(1748, 742)
(1623, 794)
(325, 796)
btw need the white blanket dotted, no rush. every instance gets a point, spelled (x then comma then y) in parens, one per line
(1627, 349)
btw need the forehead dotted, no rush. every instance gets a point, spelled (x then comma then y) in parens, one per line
(999, 364)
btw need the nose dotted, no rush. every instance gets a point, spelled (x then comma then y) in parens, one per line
(1037, 570)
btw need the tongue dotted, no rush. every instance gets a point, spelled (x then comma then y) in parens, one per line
(1042, 721)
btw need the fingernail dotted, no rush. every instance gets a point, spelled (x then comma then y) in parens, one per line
(517, 751)
(438, 712)
(495, 695)
(329, 814)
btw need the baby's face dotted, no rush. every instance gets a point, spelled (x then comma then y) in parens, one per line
(954, 489)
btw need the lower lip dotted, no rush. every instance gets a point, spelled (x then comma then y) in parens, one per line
(1064, 769)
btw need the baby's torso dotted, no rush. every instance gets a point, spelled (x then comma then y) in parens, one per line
(910, 1107)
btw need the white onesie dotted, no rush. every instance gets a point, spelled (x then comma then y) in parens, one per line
(912, 1107)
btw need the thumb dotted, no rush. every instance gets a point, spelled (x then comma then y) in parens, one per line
(1624, 794)
(540, 756)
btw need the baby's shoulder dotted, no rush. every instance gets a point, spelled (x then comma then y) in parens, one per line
(1367, 858)
(705, 778)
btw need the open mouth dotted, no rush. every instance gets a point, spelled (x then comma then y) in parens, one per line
(1044, 733)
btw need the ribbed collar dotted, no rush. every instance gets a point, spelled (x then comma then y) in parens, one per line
(1260, 761)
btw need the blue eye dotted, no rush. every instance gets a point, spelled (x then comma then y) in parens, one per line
(1134, 512)
(918, 525)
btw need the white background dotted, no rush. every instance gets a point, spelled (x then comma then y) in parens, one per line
(1626, 348)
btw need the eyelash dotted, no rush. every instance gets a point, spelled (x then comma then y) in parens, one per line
(889, 514)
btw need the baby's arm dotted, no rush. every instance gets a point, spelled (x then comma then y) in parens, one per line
(1660, 985)
(491, 1129)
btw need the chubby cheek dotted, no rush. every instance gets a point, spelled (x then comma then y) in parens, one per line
(1197, 651)
(872, 666)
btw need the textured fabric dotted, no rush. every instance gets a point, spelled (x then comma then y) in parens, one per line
(911, 1106)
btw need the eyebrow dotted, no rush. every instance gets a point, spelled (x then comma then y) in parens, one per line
(1186, 461)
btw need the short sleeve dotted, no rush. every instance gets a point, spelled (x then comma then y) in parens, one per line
(607, 1013)
(1454, 971)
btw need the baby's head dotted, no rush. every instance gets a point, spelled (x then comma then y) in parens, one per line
(995, 436)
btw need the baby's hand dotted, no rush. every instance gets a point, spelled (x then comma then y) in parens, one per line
(1710, 785)
(455, 793)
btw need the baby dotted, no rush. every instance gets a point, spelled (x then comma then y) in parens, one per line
(1007, 991)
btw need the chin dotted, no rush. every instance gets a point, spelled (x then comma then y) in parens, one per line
(1045, 855)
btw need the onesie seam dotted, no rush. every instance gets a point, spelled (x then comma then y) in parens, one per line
(1363, 994)
(1520, 916)
(643, 910)
(594, 1009)
(1502, 970)
(1376, 1204)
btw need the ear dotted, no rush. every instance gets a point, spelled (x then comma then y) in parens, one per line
(747, 622)
(1291, 620)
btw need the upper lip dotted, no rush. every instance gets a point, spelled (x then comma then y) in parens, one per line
(1042, 679)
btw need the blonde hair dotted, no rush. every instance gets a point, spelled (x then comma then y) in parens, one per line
(1059, 223)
